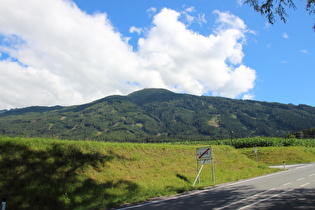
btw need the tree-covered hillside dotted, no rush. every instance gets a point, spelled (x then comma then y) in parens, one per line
(158, 113)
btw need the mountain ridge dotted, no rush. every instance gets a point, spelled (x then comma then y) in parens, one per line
(159, 113)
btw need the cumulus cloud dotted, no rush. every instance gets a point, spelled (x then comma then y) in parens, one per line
(190, 62)
(58, 54)
(55, 39)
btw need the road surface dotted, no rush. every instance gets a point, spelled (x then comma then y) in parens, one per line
(290, 189)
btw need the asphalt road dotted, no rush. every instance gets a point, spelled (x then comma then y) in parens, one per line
(290, 189)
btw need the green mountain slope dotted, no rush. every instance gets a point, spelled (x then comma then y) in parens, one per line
(152, 113)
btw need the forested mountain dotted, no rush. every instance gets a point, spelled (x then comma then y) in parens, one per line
(159, 113)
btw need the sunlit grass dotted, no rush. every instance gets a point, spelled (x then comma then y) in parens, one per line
(278, 155)
(57, 174)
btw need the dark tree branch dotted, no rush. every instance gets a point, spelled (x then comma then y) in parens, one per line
(310, 6)
(270, 8)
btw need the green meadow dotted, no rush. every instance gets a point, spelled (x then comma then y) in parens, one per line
(58, 174)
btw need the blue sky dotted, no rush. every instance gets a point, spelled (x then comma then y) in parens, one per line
(55, 52)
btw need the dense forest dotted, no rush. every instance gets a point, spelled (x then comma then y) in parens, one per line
(303, 134)
(158, 114)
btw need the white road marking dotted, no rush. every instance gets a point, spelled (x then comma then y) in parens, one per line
(223, 185)
(276, 195)
(300, 179)
(287, 184)
(303, 185)
(244, 207)
(231, 204)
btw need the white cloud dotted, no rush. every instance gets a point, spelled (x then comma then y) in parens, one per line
(83, 52)
(239, 2)
(285, 35)
(248, 96)
(190, 62)
(134, 29)
(267, 25)
(190, 9)
(151, 11)
(305, 51)
(199, 18)
(61, 55)
(228, 21)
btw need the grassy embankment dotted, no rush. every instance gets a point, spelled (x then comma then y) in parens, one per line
(55, 174)
(278, 155)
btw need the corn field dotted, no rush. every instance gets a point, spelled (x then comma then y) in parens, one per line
(265, 142)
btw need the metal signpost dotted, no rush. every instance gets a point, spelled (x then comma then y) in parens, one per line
(3, 204)
(203, 156)
(255, 151)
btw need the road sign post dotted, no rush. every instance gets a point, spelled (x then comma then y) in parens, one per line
(3, 204)
(203, 156)
(255, 151)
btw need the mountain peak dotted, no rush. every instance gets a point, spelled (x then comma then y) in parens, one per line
(152, 94)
